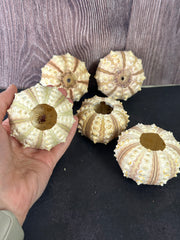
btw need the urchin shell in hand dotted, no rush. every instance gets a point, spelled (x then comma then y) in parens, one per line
(68, 72)
(101, 119)
(40, 117)
(148, 154)
(120, 74)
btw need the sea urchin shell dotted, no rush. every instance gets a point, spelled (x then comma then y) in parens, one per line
(102, 119)
(40, 117)
(148, 154)
(68, 72)
(120, 74)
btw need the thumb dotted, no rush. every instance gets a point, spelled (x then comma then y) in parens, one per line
(6, 99)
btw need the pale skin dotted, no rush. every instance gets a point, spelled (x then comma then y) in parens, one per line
(24, 172)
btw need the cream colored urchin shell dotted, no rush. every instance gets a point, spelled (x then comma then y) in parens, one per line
(120, 74)
(148, 154)
(102, 119)
(68, 72)
(40, 117)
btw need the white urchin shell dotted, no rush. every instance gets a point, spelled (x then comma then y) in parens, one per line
(120, 74)
(101, 119)
(68, 72)
(142, 164)
(21, 122)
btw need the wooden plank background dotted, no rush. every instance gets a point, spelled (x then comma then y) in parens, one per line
(31, 31)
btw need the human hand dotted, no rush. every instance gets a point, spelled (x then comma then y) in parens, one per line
(24, 172)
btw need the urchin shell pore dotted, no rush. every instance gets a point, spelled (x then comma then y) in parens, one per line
(120, 74)
(68, 72)
(102, 119)
(40, 117)
(148, 154)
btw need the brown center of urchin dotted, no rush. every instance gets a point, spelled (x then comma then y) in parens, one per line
(41, 119)
(103, 108)
(152, 141)
(122, 78)
(68, 80)
(43, 116)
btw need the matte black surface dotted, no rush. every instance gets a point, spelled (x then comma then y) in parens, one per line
(88, 198)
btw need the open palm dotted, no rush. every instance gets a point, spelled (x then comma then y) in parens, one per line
(24, 172)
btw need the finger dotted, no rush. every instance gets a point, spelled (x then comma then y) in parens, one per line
(63, 91)
(60, 149)
(6, 125)
(6, 99)
(70, 100)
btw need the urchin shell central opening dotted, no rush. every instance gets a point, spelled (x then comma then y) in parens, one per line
(68, 80)
(152, 141)
(123, 78)
(103, 108)
(43, 117)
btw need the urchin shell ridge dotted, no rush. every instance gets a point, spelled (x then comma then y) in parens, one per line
(144, 165)
(102, 127)
(120, 74)
(68, 72)
(22, 127)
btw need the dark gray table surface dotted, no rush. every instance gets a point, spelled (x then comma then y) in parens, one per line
(88, 198)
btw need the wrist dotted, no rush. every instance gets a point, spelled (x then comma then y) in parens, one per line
(9, 226)
(10, 200)
(20, 215)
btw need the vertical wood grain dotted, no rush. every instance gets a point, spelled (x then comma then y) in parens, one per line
(33, 31)
(154, 35)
